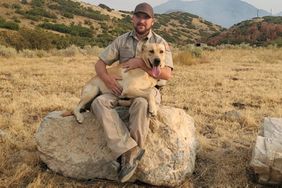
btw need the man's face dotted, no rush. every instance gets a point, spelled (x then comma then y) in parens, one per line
(142, 23)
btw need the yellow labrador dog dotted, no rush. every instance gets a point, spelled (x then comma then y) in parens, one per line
(134, 83)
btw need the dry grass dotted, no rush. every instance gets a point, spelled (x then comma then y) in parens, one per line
(248, 82)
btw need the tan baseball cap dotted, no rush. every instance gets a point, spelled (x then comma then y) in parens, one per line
(144, 8)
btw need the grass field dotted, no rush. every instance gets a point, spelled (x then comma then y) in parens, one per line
(228, 98)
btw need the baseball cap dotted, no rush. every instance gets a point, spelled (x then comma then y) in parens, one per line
(144, 8)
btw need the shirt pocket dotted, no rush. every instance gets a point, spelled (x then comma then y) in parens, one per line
(125, 54)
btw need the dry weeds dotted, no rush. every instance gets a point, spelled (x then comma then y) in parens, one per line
(227, 97)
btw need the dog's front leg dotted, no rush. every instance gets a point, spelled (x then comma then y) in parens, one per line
(149, 95)
(153, 110)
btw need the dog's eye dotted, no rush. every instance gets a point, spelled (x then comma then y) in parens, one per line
(151, 51)
(161, 51)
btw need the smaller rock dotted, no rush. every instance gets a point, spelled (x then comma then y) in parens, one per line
(266, 162)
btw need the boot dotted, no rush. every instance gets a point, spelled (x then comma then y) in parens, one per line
(129, 163)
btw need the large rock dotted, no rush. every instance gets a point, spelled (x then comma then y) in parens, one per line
(267, 154)
(80, 150)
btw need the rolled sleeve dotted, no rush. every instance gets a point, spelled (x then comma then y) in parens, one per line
(111, 53)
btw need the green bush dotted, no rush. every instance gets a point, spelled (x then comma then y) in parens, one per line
(75, 30)
(195, 51)
(277, 42)
(37, 3)
(103, 6)
(8, 25)
(24, 2)
(32, 17)
(68, 15)
(16, 6)
(37, 11)
(273, 19)
(16, 19)
(37, 39)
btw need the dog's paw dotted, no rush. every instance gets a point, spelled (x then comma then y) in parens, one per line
(153, 111)
(79, 118)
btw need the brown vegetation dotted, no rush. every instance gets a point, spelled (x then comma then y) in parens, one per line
(227, 97)
(259, 31)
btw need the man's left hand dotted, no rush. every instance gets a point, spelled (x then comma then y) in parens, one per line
(133, 64)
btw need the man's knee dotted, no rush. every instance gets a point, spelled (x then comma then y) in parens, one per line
(140, 102)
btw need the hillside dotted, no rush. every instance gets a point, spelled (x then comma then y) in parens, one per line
(258, 31)
(45, 24)
(222, 12)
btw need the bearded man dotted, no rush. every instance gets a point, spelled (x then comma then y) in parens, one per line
(127, 142)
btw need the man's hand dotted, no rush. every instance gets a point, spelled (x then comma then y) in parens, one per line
(111, 82)
(133, 64)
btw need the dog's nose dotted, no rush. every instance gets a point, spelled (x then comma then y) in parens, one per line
(157, 61)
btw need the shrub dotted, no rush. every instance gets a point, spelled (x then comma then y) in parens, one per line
(16, 19)
(92, 50)
(38, 39)
(37, 3)
(27, 53)
(8, 25)
(7, 51)
(13, 39)
(184, 58)
(16, 6)
(6, 5)
(38, 11)
(75, 30)
(195, 51)
(33, 53)
(68, 15)
(103, 6)
(70, 51)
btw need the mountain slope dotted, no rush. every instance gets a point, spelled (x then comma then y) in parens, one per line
(222, 12)
(258, 31)
(60, 23)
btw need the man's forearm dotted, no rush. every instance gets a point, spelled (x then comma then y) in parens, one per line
(101, 70)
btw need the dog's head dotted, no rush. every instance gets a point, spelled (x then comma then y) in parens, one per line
(153, 55)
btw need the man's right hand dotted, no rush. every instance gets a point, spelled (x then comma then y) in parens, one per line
(111, 82)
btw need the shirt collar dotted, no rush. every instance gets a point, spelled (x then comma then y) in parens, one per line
(133, 34)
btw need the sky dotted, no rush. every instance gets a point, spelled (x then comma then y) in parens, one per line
(269, 5)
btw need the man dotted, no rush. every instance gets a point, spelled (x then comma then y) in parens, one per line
(128, 142)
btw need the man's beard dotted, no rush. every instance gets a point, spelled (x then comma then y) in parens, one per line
(143, 32)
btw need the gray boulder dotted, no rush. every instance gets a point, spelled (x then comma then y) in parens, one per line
(80, 150)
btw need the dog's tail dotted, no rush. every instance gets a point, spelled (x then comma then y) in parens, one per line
(67, 113)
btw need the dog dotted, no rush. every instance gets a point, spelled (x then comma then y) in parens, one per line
(134, 83)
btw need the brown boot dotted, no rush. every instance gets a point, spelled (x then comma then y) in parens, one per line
(129, 163)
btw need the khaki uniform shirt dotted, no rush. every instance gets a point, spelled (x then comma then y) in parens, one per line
(127, 46)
